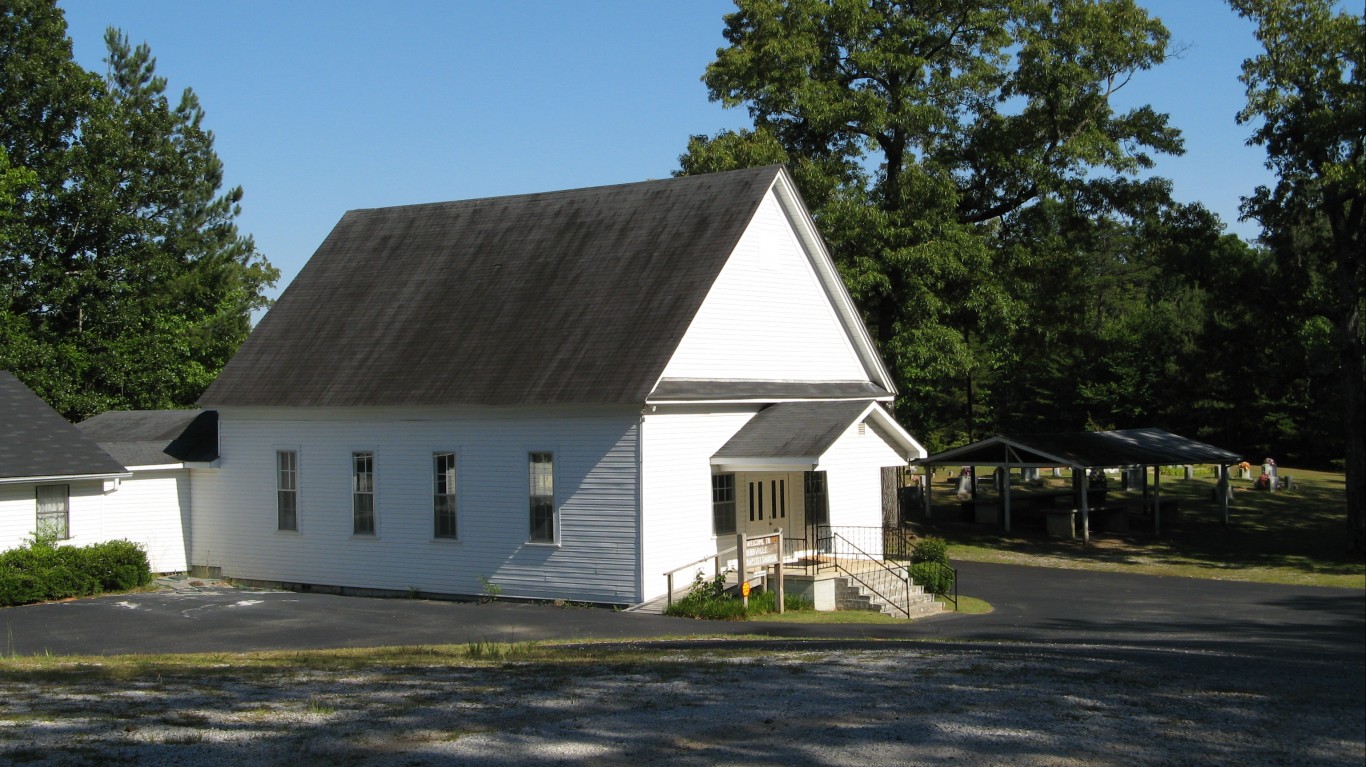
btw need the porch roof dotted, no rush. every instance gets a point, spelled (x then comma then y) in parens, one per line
(1097, 449)
(795, 435)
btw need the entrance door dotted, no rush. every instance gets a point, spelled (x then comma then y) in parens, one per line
(768, 501)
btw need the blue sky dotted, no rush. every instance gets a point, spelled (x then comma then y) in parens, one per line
(319, 107)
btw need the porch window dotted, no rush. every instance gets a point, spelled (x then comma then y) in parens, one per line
(542, 481)
(286, 490)
(363, 493)
(723, 504)
(817, 500)
(54, 511)
(443, 495)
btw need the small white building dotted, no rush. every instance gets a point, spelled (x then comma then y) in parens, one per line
(161, 450)
(54, 480)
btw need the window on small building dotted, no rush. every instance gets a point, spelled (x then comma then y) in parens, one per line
(54, 511)
(817, 499)
(723, 504)
(542, 480)
(363, 493)
(443, 495)
(286, 490)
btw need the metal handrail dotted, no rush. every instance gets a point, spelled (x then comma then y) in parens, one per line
(888, 571)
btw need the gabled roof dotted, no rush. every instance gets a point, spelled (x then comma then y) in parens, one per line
(155, 437)
(800, 433)
(1092, 449)
(564, 297)
(37, 443)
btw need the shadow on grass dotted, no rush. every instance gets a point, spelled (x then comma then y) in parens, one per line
(1300, 531)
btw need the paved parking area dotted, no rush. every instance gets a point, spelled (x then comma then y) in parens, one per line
(1039, 605)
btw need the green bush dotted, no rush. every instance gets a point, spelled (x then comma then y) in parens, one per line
(42, 570)
(931, 550)
(708, 600)
(934, 577)
(117, 565)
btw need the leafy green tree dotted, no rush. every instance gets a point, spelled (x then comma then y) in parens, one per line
(1306, 97)
(917, 132)
(126, 283)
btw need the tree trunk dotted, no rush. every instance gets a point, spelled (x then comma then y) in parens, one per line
(891, 512)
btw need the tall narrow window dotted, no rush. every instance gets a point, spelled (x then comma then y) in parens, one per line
(817, 500)
(286, 490)
(363, 493)
(443, 495)
(54, 511)
(723, 504)
(542, 497)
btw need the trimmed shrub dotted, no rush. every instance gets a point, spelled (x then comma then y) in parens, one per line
(42, 570)
(934, 577)
(931, 550)
(118, 565)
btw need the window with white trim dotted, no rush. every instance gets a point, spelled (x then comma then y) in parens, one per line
(54, 511)
(286, 490)
(363, 493)
(542, 496)
(443, 495)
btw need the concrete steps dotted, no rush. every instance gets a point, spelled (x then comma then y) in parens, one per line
(850, 594)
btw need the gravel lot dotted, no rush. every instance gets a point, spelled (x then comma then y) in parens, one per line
(789, 703)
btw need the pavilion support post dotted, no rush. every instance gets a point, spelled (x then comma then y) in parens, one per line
(1005, 503)
(1085, 511)
(1157, 500)
(1005, 493)
(925, 494)
(1222, 489)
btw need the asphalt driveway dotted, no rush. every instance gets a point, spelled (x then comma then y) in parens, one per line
(1039, 606)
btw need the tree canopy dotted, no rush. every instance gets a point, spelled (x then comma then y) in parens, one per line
(1306, 98)
(124, 282)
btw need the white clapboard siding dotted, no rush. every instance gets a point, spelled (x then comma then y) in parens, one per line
(596, 486)
(86, 521)
(767, 317)
(152, 508)
(677, 445)
(853, 467)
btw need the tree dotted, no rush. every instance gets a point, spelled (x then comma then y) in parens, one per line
(917, 132)
(126, 283)
(1306, 97)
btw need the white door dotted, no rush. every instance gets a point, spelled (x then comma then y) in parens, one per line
(769, 501)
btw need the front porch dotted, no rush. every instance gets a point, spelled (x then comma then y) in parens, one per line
(833, 568)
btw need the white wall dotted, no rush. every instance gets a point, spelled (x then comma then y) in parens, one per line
(234, 507)
(853, 467)
(767, 317)
(87, 521)
(677, 445)
(153, 508)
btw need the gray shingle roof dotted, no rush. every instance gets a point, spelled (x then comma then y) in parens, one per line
(36, 441)
(155, 437)
(1092, 449)
(696, 390)
(564, 297)
(793, 430)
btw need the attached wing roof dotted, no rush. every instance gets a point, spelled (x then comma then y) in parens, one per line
(37, 443)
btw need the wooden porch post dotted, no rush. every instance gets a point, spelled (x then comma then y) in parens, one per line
(1005, 491)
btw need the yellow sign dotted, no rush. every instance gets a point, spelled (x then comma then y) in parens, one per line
(744, 589)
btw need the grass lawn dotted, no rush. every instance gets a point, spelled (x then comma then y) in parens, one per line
(1295, 536)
